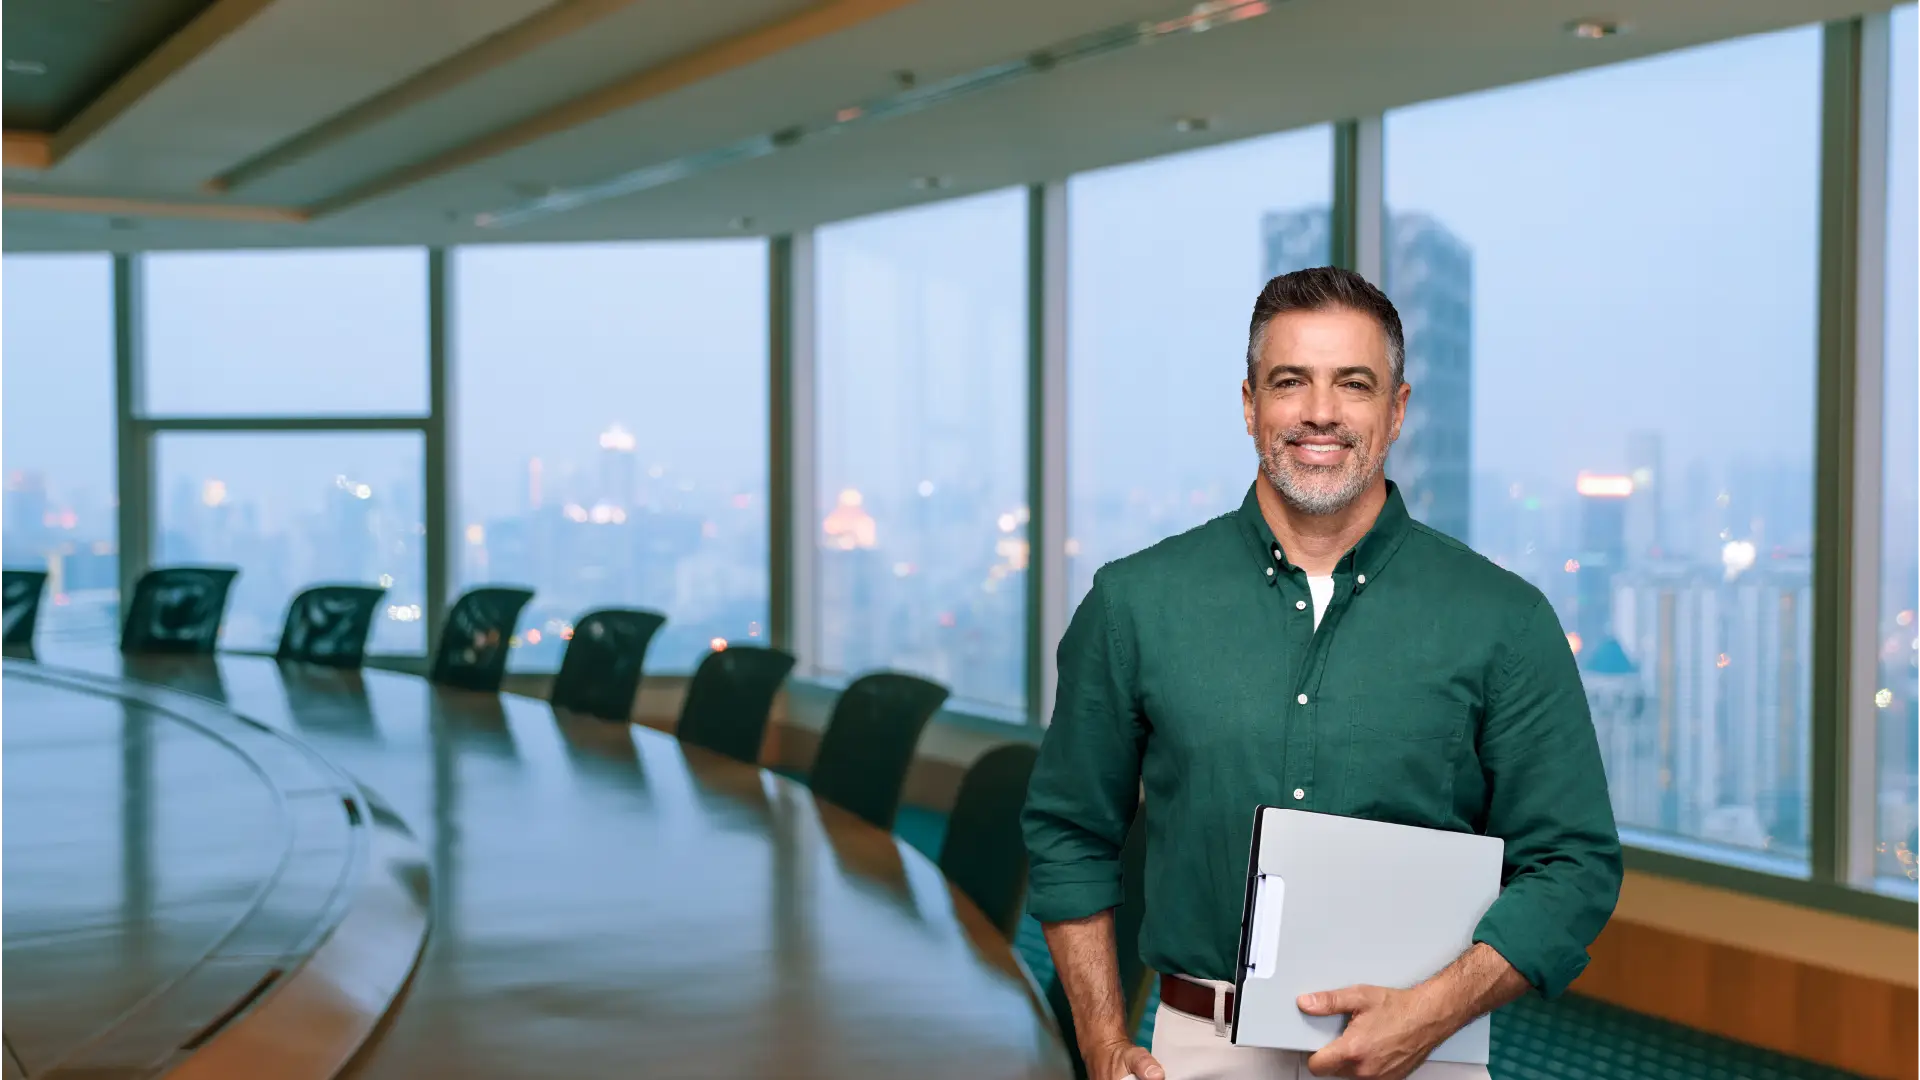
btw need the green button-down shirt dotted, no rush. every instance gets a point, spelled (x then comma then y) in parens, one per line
(1439, 690)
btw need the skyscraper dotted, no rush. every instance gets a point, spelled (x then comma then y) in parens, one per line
(1604, 502)
(1429, 275)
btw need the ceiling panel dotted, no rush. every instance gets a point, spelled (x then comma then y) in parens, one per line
(1306, 61)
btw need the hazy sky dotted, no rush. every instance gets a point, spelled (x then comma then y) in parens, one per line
(1643, 239)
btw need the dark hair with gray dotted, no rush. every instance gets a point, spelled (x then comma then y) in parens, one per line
(1318, 289)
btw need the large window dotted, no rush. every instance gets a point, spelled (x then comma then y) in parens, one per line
(921, 552)
(260, 338)
(611, 403)
(1608, 281)
(291, 333)
(1165, 258)
(295, 510)
(1896, 694)
(61, 510)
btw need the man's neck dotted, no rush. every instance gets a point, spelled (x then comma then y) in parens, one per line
(1315, 542)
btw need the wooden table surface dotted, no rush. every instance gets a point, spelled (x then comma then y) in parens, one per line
(607, 902)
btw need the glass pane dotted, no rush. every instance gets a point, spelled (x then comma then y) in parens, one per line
(62, 508)
(1896, 694)
(1166, 259)
(1608, 282)
(640, 479)
(922, 552)
(293, 511)
(287, 333)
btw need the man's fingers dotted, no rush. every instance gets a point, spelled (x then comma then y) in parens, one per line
(1142, 1066)
(1331, 1059)
(1351, 999)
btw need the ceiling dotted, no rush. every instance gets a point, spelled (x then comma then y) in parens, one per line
(143, 124)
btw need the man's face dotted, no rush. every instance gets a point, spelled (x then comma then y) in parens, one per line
(1322, 408)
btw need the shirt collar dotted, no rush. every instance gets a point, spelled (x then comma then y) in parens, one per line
(1365, 561)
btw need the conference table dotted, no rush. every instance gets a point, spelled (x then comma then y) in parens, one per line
(600, 900)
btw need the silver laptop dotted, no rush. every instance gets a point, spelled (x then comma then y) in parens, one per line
(1338, 901)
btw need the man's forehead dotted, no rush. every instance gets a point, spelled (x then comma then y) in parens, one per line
(1329, 340)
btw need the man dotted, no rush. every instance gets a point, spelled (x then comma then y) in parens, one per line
(1315, 649)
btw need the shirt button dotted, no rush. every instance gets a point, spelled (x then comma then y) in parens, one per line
(1363, 579)
(1302, 699)
(1299, 793)
(1301, 604)
(1269, 571)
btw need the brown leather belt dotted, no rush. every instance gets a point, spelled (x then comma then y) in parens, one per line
(1191, 998)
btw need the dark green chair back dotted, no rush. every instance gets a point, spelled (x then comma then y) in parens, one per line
(177, 610)
(1136, 978)
(473, 648)
(600, 673)
(329, 624)
(862, 762)
(729, 699)
(22, 589)
(984, 853)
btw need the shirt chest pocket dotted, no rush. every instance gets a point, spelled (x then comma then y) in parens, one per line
(1403, 753)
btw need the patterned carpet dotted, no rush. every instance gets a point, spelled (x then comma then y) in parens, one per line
(1570, 1039)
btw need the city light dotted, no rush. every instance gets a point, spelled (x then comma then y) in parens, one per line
(1007, 523)
(213, 492)
(1071, 548)
(403, 612)
(719, 644)
(925, 489)
(533, 637)
(1882, 697)
(1722, 660)
(476, 534)
(848, 526)
(902, 569)
(1573, 642)
(362, 491)
(1737, 556)
(1905, 618)
(386, 581)
(1603, 485)
(1572, 567)
(618, 439)
(753, 629)
(575, 512)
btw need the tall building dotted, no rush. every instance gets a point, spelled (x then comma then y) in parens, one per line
(1429, 275)
(1723, 663)
(1604, 502)
(619, 469)
(1646, 518)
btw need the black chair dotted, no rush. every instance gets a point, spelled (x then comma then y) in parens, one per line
(862, 762)
(177, 610)
(600, 673)
(729, 699)
(473, 647)
(1136, 978)
(22, 589)
(329, 624)
(984, 853)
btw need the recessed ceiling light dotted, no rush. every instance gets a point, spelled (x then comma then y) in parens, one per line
(26, 67)
(928, 183)
(1192, 123)
(1596, 29)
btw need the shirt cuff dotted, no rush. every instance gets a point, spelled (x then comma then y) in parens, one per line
(1064, 892)
(1546, 957)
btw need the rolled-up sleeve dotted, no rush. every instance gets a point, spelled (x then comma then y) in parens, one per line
(1086, 783)
(1548, 801)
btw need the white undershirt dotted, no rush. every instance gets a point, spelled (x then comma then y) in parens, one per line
(1322, 590)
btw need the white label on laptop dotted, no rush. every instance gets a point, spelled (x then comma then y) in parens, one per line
(1269, 896)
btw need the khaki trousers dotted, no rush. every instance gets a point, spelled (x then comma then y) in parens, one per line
(1190, 1048)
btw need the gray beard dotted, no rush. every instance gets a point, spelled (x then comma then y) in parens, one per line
(1304, 487)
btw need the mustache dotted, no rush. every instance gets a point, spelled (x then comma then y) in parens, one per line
(1345, 436)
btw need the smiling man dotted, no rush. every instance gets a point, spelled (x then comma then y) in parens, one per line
(1315, 649)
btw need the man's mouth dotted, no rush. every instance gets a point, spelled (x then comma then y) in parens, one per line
(1319, 450)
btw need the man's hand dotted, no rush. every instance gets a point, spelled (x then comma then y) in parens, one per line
(1390, 1034)
(1117, 1058)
